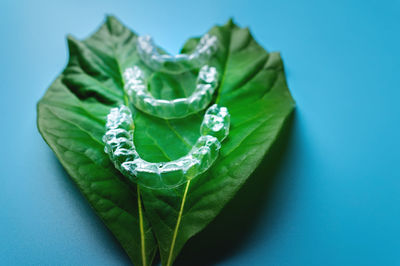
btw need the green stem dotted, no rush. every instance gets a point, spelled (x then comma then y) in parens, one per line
(171, 250)
(142, 239)
(139, 202)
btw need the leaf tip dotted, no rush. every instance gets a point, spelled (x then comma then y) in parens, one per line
(71, 41)
(70, 38)
(230, 22)
(110, 18)
(114, 25)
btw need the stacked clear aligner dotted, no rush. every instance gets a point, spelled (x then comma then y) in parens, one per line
(148, 52)
(118, 138)
(137, 90)
(121, 149)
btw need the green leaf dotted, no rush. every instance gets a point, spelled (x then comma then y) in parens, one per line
(71, 118)
(254, 89)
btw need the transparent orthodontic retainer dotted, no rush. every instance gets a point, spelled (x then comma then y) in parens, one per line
(118, 139)
(175, 64)
(120, 147)
(136, 88)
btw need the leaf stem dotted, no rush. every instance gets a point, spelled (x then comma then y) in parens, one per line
(142, 239)
(171, 251)
(139, 202)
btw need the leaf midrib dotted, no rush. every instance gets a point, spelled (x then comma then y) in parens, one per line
(178, 222)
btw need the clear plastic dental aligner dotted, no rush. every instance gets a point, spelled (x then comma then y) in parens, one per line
(149, 54)
(120, 147)
(137, 90)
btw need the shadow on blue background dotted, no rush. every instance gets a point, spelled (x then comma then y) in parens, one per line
(336, 196)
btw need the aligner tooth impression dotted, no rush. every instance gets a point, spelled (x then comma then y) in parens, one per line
(118, 138)
(149, 54)
(136, 89)
(158, 175)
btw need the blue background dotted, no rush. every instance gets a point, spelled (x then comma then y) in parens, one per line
(337, 201)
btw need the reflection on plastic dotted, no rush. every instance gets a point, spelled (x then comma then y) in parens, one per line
(119, 145)
(139, 95)
(149, 53)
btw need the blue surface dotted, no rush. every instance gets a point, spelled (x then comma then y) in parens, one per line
(338, 201)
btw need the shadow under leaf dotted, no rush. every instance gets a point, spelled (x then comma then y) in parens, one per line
(230, 230)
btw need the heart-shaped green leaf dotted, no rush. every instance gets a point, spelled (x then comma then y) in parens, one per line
(71, 118)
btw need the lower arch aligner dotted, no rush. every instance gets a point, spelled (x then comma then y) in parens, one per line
(136, 88)
(120, 147)
(149, 54)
